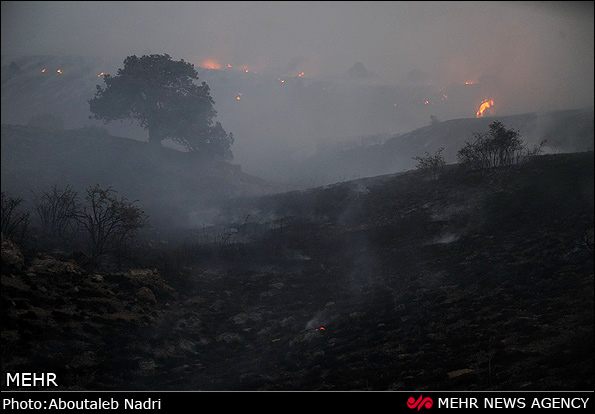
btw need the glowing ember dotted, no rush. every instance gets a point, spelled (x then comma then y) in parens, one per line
(320, 328)
(484, 106)
(43, 71)
(282, 80)
(59, 71)
(426, 102)
(211, 64)
(301, 74)
(469, 83)
(100, 75)
(239, 96)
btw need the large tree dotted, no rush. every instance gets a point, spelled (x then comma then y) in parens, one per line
(161, 95)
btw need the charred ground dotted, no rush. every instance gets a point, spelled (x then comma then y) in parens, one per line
(397, 282)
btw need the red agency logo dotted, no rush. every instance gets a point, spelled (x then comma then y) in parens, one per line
(420, 402)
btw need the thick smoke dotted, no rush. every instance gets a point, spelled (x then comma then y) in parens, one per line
(315, 75)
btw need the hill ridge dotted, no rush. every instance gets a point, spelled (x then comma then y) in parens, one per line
(162, 179)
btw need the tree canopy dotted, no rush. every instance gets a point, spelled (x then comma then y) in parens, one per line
(161, 96)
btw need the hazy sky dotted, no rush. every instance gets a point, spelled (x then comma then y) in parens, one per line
(529, 56)
(535, 42)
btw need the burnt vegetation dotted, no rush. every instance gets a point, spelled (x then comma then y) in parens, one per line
(432, 165)
(14, 221)
(481, 282)
(496, 148)
(62, 222)
(474, 276)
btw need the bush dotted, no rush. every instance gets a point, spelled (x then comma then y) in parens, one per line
(57, 211)
(433, 165)
(14, 222)
(496, 148)
(109, 222)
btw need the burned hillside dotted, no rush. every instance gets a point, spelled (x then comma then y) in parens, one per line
(474, 282)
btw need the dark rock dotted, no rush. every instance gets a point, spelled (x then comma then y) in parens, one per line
(12, 257)
(144, 294)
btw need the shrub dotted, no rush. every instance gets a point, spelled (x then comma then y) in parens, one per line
(433, 165)
(14, 222)
(496, 148)
(57, 211)
(109, 221)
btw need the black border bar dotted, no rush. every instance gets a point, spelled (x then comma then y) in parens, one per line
(403, 401)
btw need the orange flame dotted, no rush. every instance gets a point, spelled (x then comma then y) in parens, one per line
(211, 64)
(485, 104)
(100, 75)
(59, 71)
(469, 83)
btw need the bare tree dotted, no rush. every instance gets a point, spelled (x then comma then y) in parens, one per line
(433, 165)
(14, 222)
(108, 220)
(57, 211)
